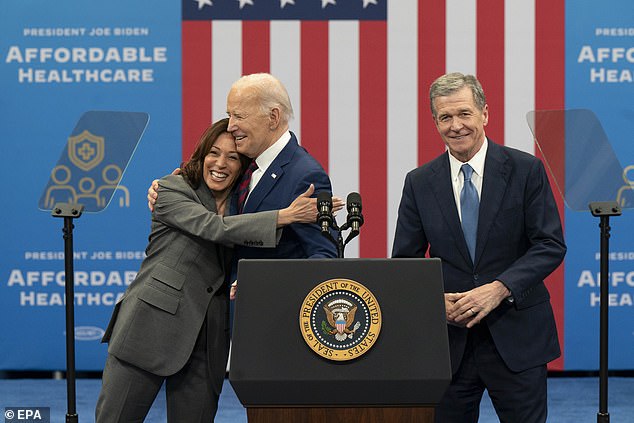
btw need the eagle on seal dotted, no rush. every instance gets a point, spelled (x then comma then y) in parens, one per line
(340, 315)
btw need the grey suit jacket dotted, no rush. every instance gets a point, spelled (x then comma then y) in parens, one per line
(156, 323)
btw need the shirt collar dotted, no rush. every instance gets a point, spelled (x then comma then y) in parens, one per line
(265, 159)
(476, 162)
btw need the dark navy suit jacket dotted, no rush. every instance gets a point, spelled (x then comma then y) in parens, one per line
(519, 242)
(289, 175)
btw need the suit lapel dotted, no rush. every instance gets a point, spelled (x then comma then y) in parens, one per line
(272, 174)
(443, 191)
(206, 197)
(496, 174)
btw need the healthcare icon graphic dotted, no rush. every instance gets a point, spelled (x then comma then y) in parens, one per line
(625, 195)
(90, 168)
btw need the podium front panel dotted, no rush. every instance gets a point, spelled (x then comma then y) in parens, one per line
(272, 365)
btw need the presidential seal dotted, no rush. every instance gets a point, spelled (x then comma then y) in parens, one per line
(340, 319)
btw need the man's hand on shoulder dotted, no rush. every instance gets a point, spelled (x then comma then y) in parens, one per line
(152, 192)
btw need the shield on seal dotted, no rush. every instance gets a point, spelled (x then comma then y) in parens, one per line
(86, 150)
(341, 324)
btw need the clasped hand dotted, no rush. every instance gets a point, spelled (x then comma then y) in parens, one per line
(467, 309)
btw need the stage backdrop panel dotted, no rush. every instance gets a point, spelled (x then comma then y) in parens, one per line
(358, 74)
(60, 59)
(599, 77)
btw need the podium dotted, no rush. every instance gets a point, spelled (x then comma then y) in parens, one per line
(396, 373)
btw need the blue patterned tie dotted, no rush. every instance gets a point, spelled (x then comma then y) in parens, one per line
(469, 205)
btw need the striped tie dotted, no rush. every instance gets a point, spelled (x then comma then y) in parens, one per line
(243, 188)
(469, 205)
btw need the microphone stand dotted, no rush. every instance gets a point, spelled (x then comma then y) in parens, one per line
(69, 212)
(604, 210)
(338, 241)
(328, 221)
(340, 244)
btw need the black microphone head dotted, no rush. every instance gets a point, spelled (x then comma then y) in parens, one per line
(353, 200)
(324, 210)
(324, 197)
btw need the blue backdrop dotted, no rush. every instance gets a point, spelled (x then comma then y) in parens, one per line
(599, 75)
(60, 59)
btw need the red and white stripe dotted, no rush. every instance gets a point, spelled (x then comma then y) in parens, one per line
(360, 89)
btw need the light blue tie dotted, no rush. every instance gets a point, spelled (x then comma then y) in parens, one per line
(469, 205)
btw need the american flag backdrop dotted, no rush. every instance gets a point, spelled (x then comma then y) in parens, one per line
(358, 73)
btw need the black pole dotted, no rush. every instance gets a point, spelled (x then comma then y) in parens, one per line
(603, 416)
(69, 212)
(604, 210)
(71, 415)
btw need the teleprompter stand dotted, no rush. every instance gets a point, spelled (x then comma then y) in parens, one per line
(278, 377)
(604, 210)
(587, 173)
(85, 179)
(69, 212)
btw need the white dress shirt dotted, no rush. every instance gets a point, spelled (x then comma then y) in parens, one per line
(265, 159)
(457, 179)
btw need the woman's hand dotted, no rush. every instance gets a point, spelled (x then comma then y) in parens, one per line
(337, 204)
(302, 210)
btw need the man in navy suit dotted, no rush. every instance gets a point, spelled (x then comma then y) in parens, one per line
(495, 225)
(259, 111)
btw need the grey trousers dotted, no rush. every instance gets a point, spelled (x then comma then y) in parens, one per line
(127, 391)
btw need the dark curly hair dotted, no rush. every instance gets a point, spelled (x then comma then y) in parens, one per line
(192, 170)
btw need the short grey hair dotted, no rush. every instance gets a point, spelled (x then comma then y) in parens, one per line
(270, 92)
(450, 83)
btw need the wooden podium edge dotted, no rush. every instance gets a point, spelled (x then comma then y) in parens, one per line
(301, 414)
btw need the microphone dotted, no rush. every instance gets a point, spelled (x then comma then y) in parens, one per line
(324, 211)
(355, 218)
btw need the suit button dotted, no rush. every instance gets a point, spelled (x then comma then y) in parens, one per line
(475, 277)
(210, 290)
